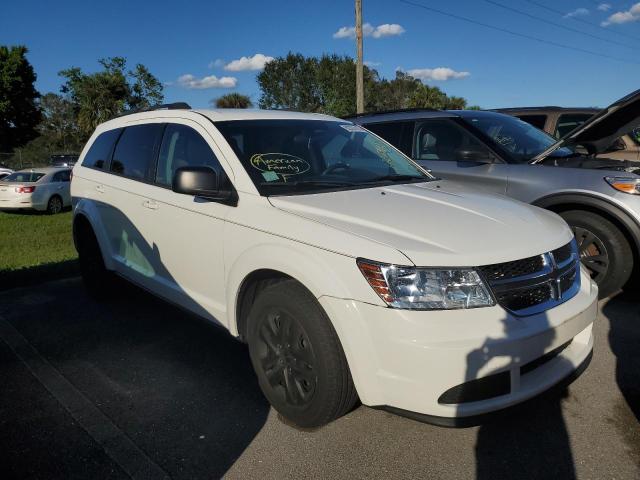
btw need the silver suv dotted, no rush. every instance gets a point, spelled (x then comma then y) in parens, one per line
(598, 197)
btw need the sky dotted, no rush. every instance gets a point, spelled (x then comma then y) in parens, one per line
(200, 50)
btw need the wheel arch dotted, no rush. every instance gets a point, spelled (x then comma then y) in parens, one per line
(86, 212)
(579, 201)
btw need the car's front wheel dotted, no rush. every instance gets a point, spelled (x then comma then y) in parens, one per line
(604, 249)
(297, 356)
(96, 278)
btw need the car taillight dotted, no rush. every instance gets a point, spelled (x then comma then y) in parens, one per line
(25, 189)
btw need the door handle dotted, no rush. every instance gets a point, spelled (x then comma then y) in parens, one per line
(150, 204)
(100, 188)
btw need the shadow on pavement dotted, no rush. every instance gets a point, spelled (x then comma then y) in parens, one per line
(623, 312)
(182, 389)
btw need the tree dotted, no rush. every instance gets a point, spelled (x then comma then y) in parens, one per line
(19, 113)
(327, 85)
(233, 100)
(102, 95)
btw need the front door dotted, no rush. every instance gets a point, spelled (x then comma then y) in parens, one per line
(450, 152)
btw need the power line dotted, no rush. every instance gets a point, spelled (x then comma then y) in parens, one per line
(516, 34)
(555, 24)
(581, 20)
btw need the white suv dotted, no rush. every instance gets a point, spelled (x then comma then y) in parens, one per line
(348, 269)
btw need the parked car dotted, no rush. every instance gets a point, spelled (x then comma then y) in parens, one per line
(599, 198)
(348, 269)
(558, 121)
(5, 172)
(63, 160)
(44, 189)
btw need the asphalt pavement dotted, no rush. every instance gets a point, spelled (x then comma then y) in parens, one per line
(134, 387)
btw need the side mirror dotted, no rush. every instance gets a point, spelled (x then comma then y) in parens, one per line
(473, 154)
(202, 182)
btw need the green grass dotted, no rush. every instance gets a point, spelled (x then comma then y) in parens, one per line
(35, 248)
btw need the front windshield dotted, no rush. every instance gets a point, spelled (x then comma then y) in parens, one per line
(286, 157)
(23, 177)
(519, 139)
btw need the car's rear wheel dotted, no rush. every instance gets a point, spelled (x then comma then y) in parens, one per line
(54, 205)
(297, 356)
(603, 248)
(96, 278)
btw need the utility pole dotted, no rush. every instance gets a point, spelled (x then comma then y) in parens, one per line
(359, 66)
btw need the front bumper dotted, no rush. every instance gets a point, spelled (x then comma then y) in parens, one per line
(407, 360)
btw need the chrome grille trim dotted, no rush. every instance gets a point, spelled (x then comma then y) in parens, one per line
(540, 290)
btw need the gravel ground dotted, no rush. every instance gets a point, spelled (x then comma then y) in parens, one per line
(136, 388)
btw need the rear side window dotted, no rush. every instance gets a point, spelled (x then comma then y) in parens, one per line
(63, 176)
(537, 121)
(182, 146)
(100, 152)
(135, 152)
(569, 122)
(397, 134)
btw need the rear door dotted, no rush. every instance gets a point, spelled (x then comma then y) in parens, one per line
(61, 183)
(127, 190)
(451, 152)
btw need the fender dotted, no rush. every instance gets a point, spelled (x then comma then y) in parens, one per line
(319, 275)
(596, 202)
(89, 210)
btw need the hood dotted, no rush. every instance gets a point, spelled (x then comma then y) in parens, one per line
(593, 163)
(600, 131)
(438, 223)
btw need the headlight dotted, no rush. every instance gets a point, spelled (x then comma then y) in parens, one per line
(625, 184)
(426, 288)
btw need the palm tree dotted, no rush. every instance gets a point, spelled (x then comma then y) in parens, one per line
(233, 100)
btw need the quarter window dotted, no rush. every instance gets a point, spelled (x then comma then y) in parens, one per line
(100, 152)
(135, 152)
(182, 146)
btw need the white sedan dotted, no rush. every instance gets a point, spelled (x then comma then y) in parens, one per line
(45, 189)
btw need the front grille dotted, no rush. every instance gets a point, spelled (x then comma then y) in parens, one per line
(534, 284)
(508, 270)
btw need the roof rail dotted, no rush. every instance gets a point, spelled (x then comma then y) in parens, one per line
(163, 106)
(397, 110)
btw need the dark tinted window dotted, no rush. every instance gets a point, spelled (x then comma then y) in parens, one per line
(397, 134)
(63, 176)
(537, 121)
(182, 146)
(135, 152)
(444, 140)
(100, 152)
(22, 177)
(569, 122)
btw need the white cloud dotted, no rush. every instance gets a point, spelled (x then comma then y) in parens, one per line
(256, 62)
(218, 62)
(631, 15)
(440, 74)
(578, 12)
(372, 64)
(604, 7)
(368, 30)
(194, 83)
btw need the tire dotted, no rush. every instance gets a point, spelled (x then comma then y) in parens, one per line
(97, 280)
(604, 250)
(297, 356)
(54, 205)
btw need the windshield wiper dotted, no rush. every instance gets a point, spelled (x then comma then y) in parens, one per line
(295, 183)
(397, 178)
